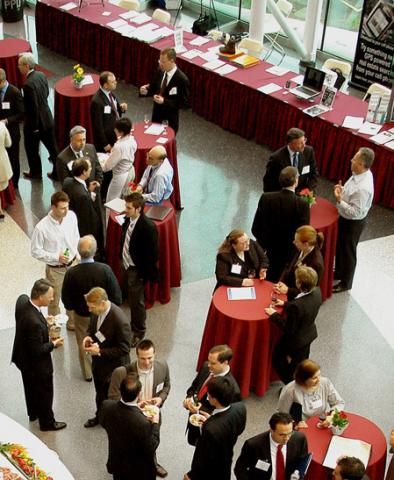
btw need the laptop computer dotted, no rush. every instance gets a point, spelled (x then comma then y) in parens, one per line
(157, 212)
(312, 84)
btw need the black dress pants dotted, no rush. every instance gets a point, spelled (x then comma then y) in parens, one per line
(39, 396)
(136, 299)
(283, 367)
(32, 145)
(349, 232)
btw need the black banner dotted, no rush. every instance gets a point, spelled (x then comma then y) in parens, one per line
(375, 45)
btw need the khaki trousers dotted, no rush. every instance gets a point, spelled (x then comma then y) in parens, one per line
(56, 277)
(81, 325)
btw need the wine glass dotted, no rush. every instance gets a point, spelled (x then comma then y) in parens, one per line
(251, 273)
(274, 299)
(165, 125)
(146, 120)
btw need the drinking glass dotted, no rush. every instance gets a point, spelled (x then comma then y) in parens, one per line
(251, 273)
(274, 298)
(146, 120)
(165, 125)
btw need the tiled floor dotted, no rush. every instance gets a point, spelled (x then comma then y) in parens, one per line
(220, 176)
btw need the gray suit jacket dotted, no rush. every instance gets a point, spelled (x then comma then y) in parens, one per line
(67, 155)
(161, 380)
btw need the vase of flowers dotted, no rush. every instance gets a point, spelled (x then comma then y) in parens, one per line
(308, 196)
(339, 422)
(78, 76)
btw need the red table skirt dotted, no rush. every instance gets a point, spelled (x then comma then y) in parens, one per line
(169, 257)
(359, 428)
(10, 48)
(8, 195)
(238, 107)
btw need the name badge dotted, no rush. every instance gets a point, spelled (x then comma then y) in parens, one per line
(236, 268)
(317, 403)
(306, 170)
(160, 387)
(262, 465)
(100, 337)
(173, 91)
(107, 109)
(5, 105)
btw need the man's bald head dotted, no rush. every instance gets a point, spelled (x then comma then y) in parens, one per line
(156, 155)
(87, 246)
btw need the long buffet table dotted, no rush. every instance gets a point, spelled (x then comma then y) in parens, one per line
(231, 101)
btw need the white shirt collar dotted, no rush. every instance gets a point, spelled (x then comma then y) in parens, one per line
(220, 410)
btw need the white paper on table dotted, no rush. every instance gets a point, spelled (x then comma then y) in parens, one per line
(118, 205)
(208, 56)
(68, 6)
(102, 157)
(269, 88)
(154, 129)
(199, 41)
(165, 31)
(162, 140)
(120, 219)
(225, 69)
(146, 35)
(278, 71)
(390, 145)
(391, 130)
(126, 30)
(117, 23)
(316, 110)
(106, 14)
(383, 137)
(298, 79)
(191, 54)
(353, 122)
(129, 14)
(243, 293)
(114, 2)
(141, 18)
(370, 128)
(88, 80)
(213, 64)
(215, 48)
(349, 447)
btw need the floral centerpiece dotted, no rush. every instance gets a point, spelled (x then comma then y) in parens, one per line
(78, 75)
(339, 422)
(19, 457)
(308, 196)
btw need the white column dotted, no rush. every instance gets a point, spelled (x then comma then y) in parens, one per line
(257, 14)
(312, 23)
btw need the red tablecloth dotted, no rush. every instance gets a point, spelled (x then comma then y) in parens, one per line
(245, 327)
(232, 102)
(72, 107)
(324, 217)
(169, 257)
(359, 428)
(8, 195)
(144, 143)
(10, 48)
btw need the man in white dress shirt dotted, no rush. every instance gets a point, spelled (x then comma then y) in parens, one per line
(354, 199)
(55, 242)
(156, 182)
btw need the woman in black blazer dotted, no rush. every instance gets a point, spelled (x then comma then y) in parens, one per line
(309, 243)
(240, 260)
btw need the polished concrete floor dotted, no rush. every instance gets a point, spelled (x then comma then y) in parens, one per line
(221, 181)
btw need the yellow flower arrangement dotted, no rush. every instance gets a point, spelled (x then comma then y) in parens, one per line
(78, 73)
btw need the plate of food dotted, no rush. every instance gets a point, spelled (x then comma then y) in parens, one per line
(150, 411)
(197, 419)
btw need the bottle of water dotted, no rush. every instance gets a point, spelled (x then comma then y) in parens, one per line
(295, 475)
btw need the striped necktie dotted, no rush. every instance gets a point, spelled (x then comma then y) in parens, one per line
(125, 253)
(295, 160)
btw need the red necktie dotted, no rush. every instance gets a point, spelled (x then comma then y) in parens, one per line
(204, 389)
(112, 100)
(280, 464)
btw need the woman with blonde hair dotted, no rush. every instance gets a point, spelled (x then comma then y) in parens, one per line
(240, 260)
(308, 243)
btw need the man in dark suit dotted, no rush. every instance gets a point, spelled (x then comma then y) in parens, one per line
(105, 109)
(77, 282)
(32, 354)
(132, 437)
(297, 154)
(139, 256)
(83, 202)
(262, 456)
(107, 341)
(169, 88)
(38, 118)
(154, 376)
(12, 114)
(218, 365)
(278, 216)
(219, 432)
(297, 321)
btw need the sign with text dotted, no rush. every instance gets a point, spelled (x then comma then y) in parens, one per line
(375, 45)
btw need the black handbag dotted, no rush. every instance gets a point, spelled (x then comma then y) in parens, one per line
(204, 24)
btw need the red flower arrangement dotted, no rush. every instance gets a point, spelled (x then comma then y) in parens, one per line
(308, 196)
(339, 419)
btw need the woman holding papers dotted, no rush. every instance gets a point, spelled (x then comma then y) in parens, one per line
(297, 321)
(309, 394)
(121, 159)
(240, 260)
